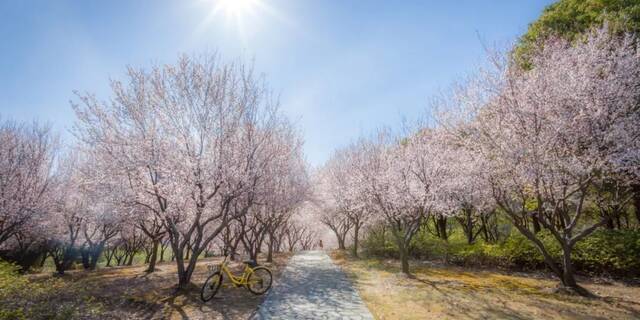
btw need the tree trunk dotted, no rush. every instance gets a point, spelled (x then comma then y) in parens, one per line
(404, 259)
(94, 255)
(485, 231)
(154, 256)
(63, 259)
(59, 267)
(355, 240)
(234, 247)
(564, 272)
(609, 225)
(84, 254)
(340, 238)
(442, 227)
(568, 275)
(253, 254)
(536, 225)
(636, 201)
(109, 257)
(467, 223)
(270, 249)
(178, 255)
(403, 236)
(44, 259)
(185, 276)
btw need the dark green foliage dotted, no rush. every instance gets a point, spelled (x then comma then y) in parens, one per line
(571, 18)
(379, 242)
(26, 259)
(606, 252)
(610, 251)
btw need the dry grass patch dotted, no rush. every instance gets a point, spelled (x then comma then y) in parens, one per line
(445, 292)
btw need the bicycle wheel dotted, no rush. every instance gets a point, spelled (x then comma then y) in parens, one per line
(259, 280)
(211, 286)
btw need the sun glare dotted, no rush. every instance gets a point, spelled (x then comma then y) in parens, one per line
(240, 18)
(236, 8)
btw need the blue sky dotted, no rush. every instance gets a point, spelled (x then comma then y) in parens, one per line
(342, 67)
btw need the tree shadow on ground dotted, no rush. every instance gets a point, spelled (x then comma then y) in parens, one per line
(132, 293)
(472, 294)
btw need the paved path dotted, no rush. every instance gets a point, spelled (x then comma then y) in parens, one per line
(313, 287)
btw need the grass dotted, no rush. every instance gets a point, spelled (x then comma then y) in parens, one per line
(445, 292)
(128, 293)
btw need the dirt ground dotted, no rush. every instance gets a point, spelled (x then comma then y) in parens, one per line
(447, 292)
(130, 293)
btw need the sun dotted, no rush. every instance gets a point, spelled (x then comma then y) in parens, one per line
(239, 18)
(236, 8)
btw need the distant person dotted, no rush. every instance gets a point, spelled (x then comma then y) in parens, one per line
(320, 245)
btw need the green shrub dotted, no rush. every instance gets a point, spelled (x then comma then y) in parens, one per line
(519, 252)
(11, 282)
(12, 286)
(379, 244)
(615, 252)
(606, 252)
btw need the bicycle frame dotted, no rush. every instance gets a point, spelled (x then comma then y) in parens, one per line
(252, 277)
(241, 280)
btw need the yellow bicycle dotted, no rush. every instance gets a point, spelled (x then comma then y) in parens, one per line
(257, 279)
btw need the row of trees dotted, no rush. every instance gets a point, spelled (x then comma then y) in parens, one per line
(192, 156)
(553, 145)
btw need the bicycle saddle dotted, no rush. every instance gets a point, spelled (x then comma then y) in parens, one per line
(251, 263)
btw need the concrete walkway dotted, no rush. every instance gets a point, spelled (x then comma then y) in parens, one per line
(313, 287)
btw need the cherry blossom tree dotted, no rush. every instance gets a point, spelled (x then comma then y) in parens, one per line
(230, 238)
(309, 238)
(102, 223)
(386, 173)
(343, 197)
(389, 180)
(295, 231)
(70, 210)
(560, 133)
(399, 178)
(461, 190)
(103, 213)
(191, 141)
(253, 231)
(289, 188)
(27, 152)
(337, 221)
(153, 227)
